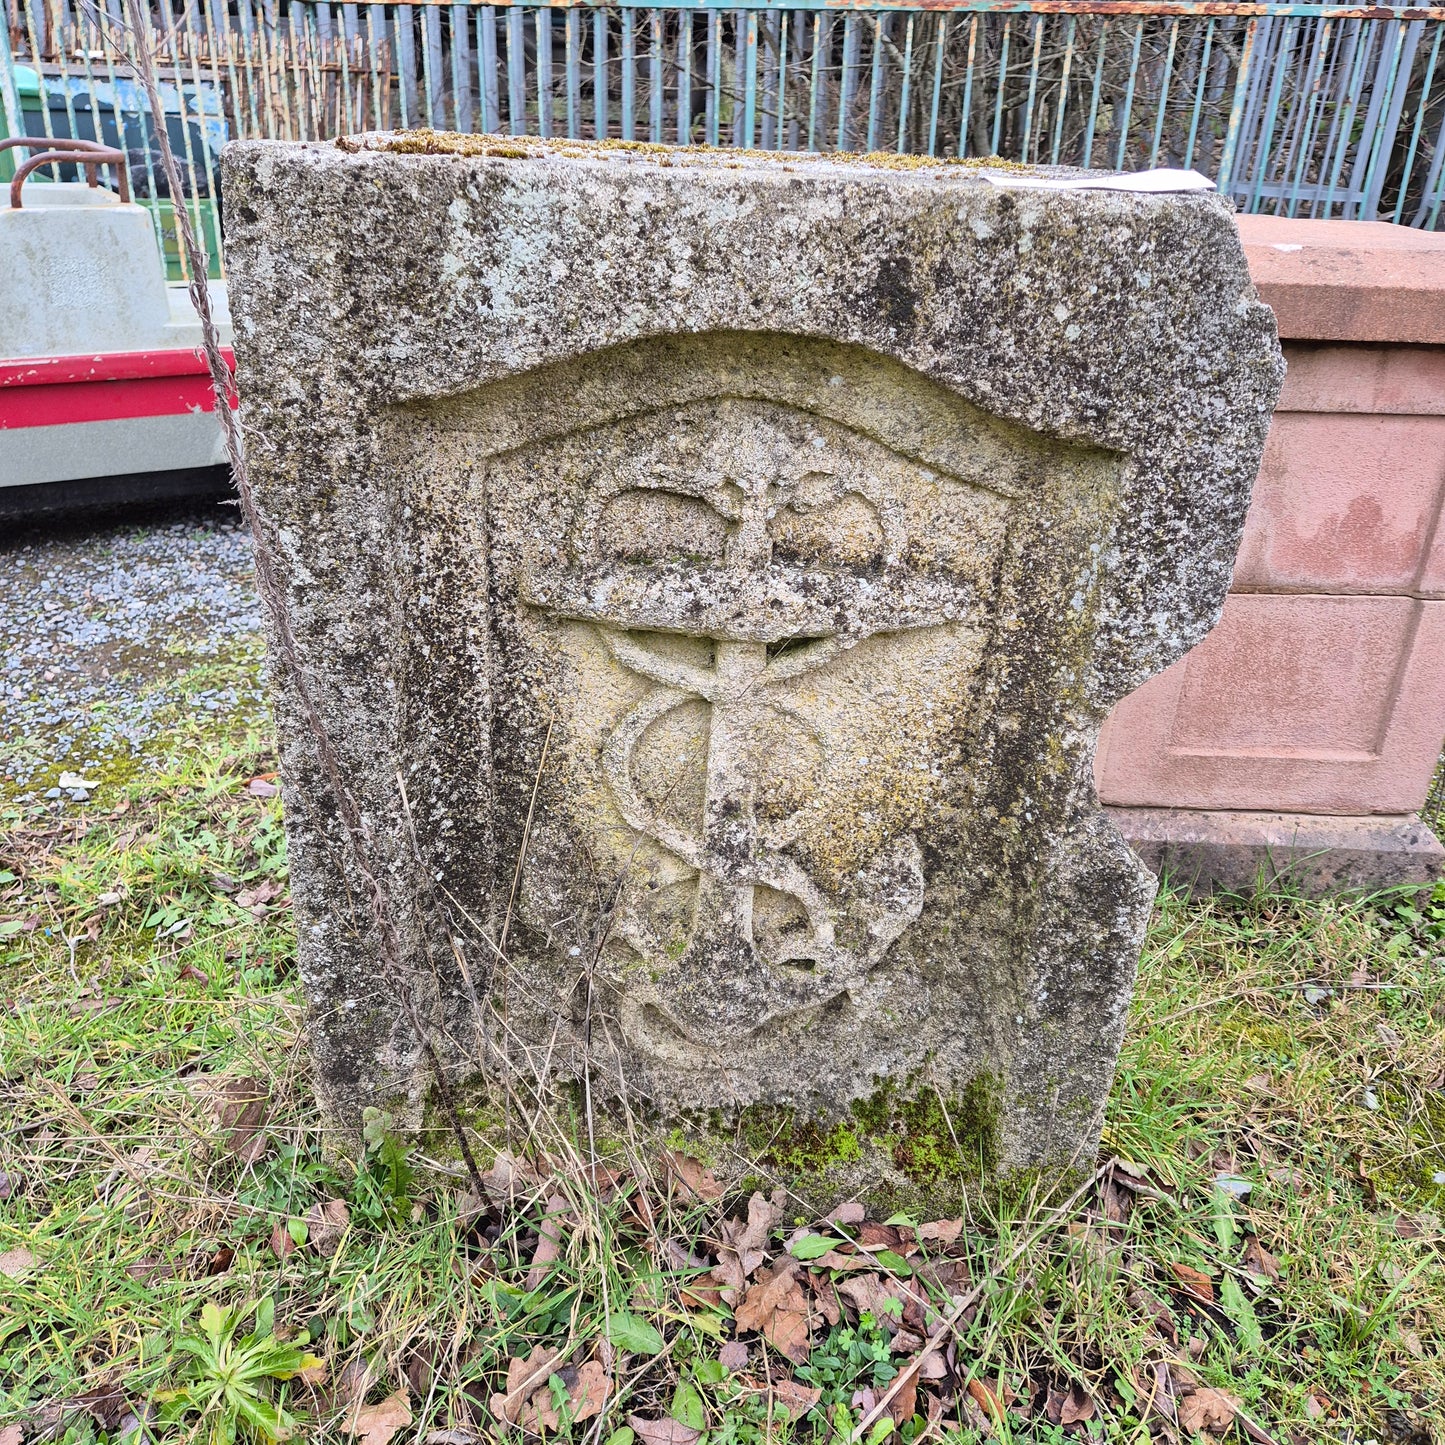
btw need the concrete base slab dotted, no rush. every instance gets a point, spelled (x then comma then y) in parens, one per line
(1234, 851)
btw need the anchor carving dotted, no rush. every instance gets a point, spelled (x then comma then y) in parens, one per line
(736, 971)
(737, 851)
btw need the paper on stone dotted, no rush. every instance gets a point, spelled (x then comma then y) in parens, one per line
(1162, 181)
(737, 557)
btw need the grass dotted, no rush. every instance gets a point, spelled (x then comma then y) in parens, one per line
(1279, 1114)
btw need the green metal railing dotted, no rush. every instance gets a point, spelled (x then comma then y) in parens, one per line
(1301, 109)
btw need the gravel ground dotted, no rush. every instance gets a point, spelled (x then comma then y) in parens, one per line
(114, 637)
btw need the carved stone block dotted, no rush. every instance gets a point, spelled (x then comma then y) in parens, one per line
(720, 566)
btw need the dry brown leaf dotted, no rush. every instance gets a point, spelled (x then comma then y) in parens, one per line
(763, 1216)
(107, 1405)
(868, 1292)
(506, 1179)
(787, 1332)
(376, 1424)
(1258, 1260)
(241, 1110)
(702, 1295)
(1194, 1283)
(933, 1366)
(150, 1268)
(1207, 1409)
(549, 1241)
(841, 1263)
(665, 1431)
(942, 1232)
(742, 1247)
(315, 1375)
(772, 1290)
(348, 1391)
(984, 1398)
(281, 1242)
(948, 1276)
(1117, 1199)
(697, 1181)
(16, 1263)
(1078, 1406)
(880, 1236)
(904, 1405)
(733, 1356)
(849, 1213)
(776, 1305)
(325, 1224)
(11, 1435)
(421, 1367)
(523, 1379)
(825, 1298)
(1156, 1311)
(796, 1399)
(590, 1391)
(1156, 1389)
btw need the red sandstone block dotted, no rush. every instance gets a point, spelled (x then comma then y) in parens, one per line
(1306, 703)
(1346, 503)
(1348, 280)
(1322, 692)
(1391, 380)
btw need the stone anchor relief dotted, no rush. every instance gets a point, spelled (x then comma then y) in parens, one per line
(804, 605)
(713, 570)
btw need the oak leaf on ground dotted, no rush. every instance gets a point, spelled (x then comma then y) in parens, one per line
(376, 1424)
(587, 1391)
(943, 1232)
(1194, 1283)
(325, 1224)
(1207, 1409)
(524, 1379)
(697, 1181)
(742, 1246)
(776, 1305)
(665, 1431)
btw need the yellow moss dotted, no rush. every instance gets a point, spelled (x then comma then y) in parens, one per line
(470, 146)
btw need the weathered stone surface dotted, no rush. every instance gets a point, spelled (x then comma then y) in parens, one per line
(751, 547)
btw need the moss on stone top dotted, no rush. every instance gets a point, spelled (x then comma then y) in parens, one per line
(503, 147)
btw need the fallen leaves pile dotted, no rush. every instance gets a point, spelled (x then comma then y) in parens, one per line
(642, 1306)
(843, 1326)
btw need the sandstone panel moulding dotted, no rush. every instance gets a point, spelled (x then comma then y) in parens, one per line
(721, 564)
